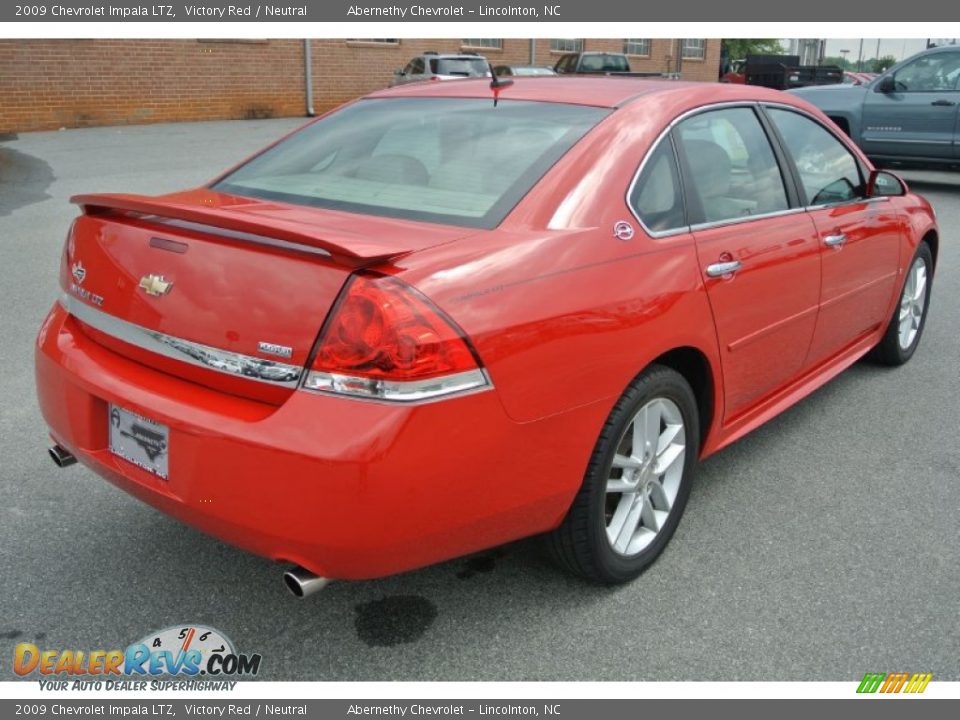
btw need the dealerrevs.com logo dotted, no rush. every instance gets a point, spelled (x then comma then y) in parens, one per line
(187, 652)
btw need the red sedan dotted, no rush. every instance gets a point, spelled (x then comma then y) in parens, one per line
(427, 323)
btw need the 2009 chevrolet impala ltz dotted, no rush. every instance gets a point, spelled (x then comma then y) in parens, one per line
(428, 323)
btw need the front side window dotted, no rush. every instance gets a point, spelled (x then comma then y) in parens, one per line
(459, 161)
(930, 73)
(656, 197)
(733, 171)
(415, 67)
(828, 171)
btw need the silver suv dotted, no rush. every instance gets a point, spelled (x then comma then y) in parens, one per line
(434, 66)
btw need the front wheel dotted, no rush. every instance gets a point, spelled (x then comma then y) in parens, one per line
(909, 316)
(637, 483)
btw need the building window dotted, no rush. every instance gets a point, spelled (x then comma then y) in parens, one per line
(694, 49)
(491, 43)
(375, 41)
(636, 46)
(566, 45)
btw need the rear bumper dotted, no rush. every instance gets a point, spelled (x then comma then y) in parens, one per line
(346, 488)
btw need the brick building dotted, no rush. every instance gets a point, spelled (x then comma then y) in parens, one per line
(49, 84)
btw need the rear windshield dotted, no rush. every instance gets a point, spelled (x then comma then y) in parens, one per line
(604, 63)
(466, 67)
(458, 161)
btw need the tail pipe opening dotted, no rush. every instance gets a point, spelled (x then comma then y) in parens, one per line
(301, 582)
(61, 456)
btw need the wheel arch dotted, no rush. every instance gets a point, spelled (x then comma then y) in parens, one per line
(694, 365)
(933, 240)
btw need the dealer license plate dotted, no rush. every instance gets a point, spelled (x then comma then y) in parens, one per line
(139, 440)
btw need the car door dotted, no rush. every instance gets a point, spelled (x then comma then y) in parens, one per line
(859, 237)
(918, 116)
(757, 251)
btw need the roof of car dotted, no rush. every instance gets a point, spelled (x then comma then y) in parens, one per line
(591, 90)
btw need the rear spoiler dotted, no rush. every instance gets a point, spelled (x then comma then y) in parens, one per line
(280, 233)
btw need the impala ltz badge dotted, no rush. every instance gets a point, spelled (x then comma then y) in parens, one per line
(622, 230)
(274, 349)
(79, 272)
(155, 285)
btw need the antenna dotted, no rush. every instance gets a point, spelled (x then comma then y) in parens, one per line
(496, 84)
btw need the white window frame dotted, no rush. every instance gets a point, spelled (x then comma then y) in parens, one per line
(482, 43)
(693, 49)
(638, 47)
(566, 45)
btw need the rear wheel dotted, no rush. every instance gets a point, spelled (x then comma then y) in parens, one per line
(637, 483)
(909, 316)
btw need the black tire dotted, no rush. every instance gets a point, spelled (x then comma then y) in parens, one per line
(889, 351)
(580, 545)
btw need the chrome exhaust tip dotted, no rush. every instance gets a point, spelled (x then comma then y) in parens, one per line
(301, 582)
(62, 457)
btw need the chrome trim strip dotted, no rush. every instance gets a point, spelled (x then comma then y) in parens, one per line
(396, 391)
(224, 361)
(733, 221)
(746, 218)
(882, 139)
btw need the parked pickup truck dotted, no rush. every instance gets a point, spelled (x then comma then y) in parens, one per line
(907, 116)
(598, 63)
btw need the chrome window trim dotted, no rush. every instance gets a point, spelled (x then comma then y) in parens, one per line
(193, 353)
(735, 221)
(657, 234)
(746, 218)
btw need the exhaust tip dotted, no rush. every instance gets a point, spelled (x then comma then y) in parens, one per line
(301, 582)
(61, 456)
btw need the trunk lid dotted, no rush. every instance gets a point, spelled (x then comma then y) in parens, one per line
(225, 291)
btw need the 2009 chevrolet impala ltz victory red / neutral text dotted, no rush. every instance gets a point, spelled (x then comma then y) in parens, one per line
(428, 323)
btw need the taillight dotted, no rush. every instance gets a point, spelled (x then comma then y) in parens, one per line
(386, 341)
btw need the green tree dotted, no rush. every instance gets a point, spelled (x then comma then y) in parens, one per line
(738, 49)
(839, 61)
(882, 64)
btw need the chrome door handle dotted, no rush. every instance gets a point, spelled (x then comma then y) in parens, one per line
(835, 240)
(723, 268)
(943, 103)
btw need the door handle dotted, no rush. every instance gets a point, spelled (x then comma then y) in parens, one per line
(836, 241)
(943, 103)
(723, 268)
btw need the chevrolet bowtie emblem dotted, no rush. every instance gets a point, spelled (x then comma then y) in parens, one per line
(155, 285)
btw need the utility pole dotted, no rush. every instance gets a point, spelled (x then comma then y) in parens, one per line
(860, 57)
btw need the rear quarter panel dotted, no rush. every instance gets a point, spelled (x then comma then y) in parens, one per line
(562, 313)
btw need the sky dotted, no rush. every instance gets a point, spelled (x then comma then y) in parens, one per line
(899, 48)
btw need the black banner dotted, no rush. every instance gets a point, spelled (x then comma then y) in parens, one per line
(472, 11)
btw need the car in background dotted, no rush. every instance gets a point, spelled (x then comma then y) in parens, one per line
(851, 77)
(426, 324)
(907, 116)
(523, 71)
(592, 63)
(437, 66)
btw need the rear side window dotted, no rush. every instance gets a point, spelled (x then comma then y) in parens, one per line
(656, 197)
(459, 161)
(828, 171)
(733, 173)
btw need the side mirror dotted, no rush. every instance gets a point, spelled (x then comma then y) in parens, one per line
(887, 85)
(883, 183)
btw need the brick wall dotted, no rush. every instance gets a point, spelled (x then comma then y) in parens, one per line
(48, 84)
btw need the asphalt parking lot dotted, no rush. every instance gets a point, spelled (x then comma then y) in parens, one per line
(822, 546)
